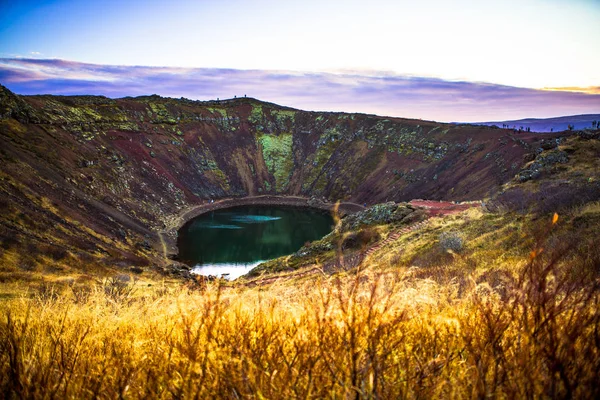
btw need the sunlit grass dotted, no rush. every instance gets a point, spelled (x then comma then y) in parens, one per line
(386, 330)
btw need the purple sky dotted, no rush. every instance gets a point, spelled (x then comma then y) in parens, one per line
(368, 92)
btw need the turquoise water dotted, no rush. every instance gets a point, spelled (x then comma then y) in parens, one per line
(233, 241)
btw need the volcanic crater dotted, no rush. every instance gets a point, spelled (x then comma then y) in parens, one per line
(108, 182)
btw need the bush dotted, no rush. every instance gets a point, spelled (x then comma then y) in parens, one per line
(118, 289)
(361, 239)
(46, 292)
(451, 241)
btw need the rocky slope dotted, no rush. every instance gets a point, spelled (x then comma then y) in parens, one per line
(88, 179)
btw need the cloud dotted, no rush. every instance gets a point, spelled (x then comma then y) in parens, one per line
(352, 91)
(590, 90)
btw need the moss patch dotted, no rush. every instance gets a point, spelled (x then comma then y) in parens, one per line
(278, 156)
(256, 115)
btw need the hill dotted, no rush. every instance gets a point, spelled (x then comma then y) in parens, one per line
(557, 124)
(88, 180)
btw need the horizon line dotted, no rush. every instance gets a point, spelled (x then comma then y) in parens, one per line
(387, 94)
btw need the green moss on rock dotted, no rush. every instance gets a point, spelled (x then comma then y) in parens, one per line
(256, 115)
(278, 156)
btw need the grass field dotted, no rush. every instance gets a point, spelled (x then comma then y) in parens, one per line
(521, 326)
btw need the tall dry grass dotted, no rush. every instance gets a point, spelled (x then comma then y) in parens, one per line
(373, 334)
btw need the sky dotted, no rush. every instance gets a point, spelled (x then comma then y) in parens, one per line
(434, 59)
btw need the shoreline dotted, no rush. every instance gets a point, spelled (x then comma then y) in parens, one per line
(168, 236)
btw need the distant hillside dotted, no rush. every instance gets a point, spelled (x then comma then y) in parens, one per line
(549, 124)
(104, 178)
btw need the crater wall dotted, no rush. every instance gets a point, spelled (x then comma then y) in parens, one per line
(102, 177)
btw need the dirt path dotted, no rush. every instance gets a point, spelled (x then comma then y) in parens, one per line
(395, 236)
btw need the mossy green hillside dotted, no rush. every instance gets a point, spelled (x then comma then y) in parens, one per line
(278, 155)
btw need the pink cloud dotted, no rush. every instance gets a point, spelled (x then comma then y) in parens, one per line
(370, 92)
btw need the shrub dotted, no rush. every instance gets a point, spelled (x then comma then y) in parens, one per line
(118, 289)
(361, 239)
(46, 292)
(81, 293)
(451, 241)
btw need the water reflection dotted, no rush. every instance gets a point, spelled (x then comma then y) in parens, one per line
(234, 240)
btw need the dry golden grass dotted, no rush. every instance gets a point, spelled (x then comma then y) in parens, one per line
(386, 332)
